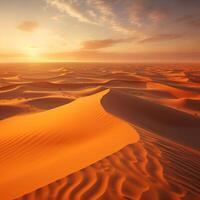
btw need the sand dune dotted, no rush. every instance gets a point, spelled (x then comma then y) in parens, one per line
(48, 102)
(145, 170)
(191, 106)
(85, 92)
(175, 91)
(53, 140)
(9, 88)
(54, 86)
(176, 125)
(125, 83)
(8, 111)
(22, 92)
(22, 106)
(63, 136)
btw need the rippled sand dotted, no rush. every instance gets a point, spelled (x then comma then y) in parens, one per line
(99, 131)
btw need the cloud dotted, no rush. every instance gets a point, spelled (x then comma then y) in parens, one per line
(28, 26)
(158, 15)
(195, 22)
(192, 20)
(11, 55)
(160, 38)
(71, 8)
(100, 44)
(185, 18)
(144, 12)
(57, 17)
(120, 28)
(128, 16)
(94, 56)
(97, 12)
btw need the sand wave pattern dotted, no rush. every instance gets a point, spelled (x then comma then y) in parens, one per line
(85, 131)
(154, 168)
(54, 140)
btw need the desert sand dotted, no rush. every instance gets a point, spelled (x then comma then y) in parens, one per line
(99, 131)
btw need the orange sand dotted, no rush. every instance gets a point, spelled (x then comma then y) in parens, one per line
(71, 132)
(54, 140)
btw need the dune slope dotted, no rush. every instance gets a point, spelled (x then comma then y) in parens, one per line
(152, 169)
(168, 122)
(39, 148)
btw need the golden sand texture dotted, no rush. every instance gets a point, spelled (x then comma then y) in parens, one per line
(88, 131)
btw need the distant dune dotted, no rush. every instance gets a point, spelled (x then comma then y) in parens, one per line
(48, 102)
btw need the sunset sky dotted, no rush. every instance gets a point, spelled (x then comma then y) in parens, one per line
(99, 30)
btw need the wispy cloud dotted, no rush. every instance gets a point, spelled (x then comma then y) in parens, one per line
(123, 57)
(99, 12)
(71, 8)
(160, 38)
(126, 16)
(145, 12)
(28, 26)
(158, 15)
(193, 20)
(100, 44)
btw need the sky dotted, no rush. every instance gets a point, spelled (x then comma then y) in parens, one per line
(100, 30)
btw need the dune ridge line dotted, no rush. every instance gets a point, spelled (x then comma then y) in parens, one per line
(44, 147)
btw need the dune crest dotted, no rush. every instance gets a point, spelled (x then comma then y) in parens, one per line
(43, 147)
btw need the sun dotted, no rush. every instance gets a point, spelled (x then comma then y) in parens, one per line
(33, 53)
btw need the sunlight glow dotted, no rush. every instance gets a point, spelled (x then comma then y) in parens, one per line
(33, 53)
